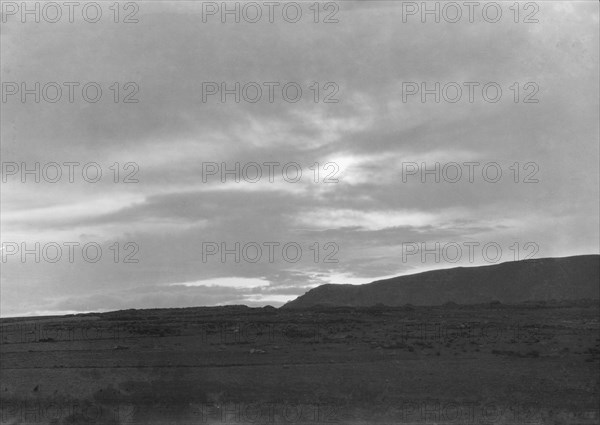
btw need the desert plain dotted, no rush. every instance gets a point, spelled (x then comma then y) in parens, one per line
(530, 363)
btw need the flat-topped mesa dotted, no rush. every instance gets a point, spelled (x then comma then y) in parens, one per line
(544, 279)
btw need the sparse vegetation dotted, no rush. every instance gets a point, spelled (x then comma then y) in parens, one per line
(175, 358)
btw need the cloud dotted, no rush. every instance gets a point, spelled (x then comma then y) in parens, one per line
(367, 136)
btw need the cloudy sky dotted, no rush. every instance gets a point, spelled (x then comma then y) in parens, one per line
(364, 221)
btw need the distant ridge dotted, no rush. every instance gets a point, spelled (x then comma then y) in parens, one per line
(544, 279)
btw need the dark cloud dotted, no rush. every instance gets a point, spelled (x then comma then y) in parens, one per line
(369, 133)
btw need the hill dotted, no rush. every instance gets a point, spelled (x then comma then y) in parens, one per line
(544, 279)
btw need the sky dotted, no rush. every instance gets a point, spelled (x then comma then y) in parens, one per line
(366, 214)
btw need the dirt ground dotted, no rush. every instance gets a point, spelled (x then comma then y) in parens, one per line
(485, 364)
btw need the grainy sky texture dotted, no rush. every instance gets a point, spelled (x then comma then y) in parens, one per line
(369, 213)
